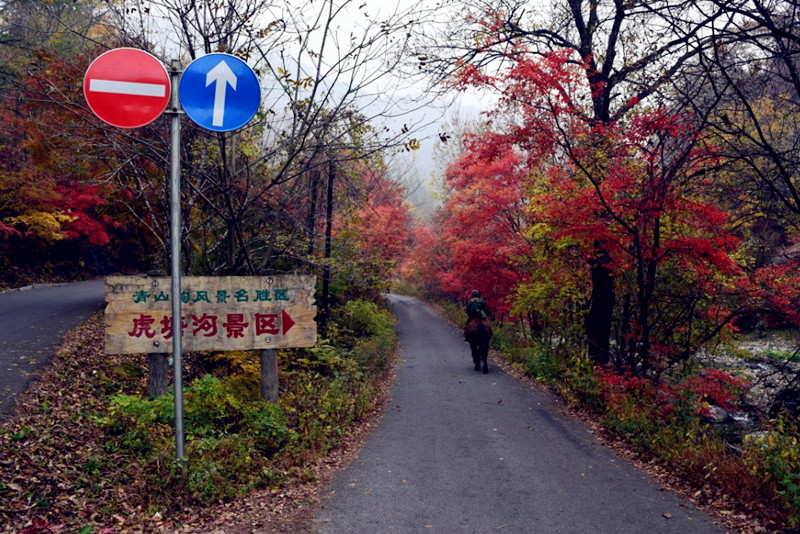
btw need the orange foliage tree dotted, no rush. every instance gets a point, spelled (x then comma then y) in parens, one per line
(372, 237)
(54, 214)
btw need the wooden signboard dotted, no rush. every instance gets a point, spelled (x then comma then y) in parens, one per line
(218, 313)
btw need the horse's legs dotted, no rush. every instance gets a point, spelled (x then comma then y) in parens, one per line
(484, 357)
(476, 355)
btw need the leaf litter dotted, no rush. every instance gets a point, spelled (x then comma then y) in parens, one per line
(56, 475)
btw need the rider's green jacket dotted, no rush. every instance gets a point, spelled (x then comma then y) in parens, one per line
(477, 309)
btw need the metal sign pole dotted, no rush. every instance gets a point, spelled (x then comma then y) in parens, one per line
(175, 241)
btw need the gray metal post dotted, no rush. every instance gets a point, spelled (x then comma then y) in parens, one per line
(175, 241)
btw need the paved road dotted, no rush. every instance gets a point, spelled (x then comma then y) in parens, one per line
(33, 322)
(463, 452)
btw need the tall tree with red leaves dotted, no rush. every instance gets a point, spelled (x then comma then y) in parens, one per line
(629, 195)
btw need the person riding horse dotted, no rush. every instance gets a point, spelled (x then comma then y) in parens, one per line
(477, 331)
(476, 309)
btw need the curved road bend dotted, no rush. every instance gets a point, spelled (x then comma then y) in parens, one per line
(463, 452)
(33, 322)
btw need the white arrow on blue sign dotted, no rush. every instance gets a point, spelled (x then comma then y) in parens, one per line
(219, 92)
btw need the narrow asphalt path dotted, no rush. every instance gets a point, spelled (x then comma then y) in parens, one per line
(33, 322)
(463, 452)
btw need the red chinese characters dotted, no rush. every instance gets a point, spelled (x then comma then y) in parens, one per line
(235, 325)
(266, 324)
(207, 324)
(231, 325)
(143, 326)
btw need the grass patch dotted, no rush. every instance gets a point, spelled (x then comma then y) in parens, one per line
(783, 356)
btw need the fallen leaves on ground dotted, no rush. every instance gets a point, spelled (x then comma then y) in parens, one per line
(56, 476)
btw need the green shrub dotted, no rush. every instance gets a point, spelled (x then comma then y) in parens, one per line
(138, 425)
(234, 441)
(537, 357)
(265, 424)
(211, 409)
(321, 406)
(536, 361)
(159, 410)
(229, 440)
(778, 456)
(242, 369)
(454, 312)
(504, 343)
(369, 331)
(328, 387)
(219, 468)
(580, 381)
(325, 360)
(365, 319)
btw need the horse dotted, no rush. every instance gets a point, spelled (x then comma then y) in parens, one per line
(478, 333)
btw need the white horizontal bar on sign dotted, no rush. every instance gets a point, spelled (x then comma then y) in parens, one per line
(127, 88)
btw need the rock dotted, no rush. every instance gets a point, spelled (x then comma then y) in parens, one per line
(742, 421)
(716, 415)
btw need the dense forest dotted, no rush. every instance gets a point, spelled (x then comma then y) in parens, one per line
(305, 186)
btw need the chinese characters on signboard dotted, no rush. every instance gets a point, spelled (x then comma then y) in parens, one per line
(217, 313)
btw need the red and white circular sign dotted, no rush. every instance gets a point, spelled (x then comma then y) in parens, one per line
(127, 88)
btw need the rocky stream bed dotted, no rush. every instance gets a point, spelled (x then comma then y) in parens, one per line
(772, 366)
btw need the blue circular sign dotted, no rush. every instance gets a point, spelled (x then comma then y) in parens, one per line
(219, 92)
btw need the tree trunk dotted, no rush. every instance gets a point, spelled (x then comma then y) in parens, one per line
(326, 270)
(227, 178)
(598, 320)
(269, 375)
(157, 377)
(311, 223)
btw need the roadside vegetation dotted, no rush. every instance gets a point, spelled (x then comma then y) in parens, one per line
(90, 452)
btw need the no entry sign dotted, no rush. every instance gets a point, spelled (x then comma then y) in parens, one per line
(127, 88)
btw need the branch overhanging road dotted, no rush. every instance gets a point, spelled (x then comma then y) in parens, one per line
(462, 452)
(33, 322)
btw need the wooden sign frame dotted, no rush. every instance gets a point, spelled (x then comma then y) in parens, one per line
(218, 313)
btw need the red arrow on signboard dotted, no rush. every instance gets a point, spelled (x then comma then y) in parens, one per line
(127, 88)
(286, 322)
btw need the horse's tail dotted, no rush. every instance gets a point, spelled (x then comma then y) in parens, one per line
(487, 330)
(483, 329)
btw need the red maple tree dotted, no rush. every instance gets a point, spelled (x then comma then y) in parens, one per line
(548, 183)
